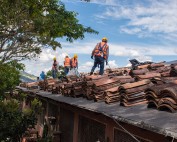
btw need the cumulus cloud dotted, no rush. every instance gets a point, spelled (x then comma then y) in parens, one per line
(86, 67)
(112, 64)
(105, 2)
(155, 17)
(140, 52)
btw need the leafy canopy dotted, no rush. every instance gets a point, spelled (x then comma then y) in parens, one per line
(9, 78)
(28, 25)
(14, 122)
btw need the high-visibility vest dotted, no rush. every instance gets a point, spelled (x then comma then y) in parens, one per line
(74, 63)
(67, 62)
(101, 50)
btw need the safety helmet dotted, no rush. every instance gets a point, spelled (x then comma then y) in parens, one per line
(54, 58)
(104, 39)
(75, 56)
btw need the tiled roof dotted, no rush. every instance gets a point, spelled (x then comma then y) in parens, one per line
(131, 97)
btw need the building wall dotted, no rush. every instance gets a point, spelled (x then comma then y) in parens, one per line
(79, 125)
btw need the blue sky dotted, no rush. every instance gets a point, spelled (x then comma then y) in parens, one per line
(141, 29)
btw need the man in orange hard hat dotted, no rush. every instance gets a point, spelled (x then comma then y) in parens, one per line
(100, 54)
(67, 63)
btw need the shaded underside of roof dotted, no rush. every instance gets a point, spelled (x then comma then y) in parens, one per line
(151, 119)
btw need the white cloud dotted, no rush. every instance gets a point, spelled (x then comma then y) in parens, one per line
(155, 17)
(140, 52)
(112, 64)
(128, 65)
(105, 2)
(29, 71)
(119, 49)
(86, 67)
(144, 58)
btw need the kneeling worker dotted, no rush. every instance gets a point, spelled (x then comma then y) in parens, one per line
(100, 54)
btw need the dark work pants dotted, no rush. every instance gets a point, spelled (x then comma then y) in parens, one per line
(66, 70)
(98, 61)
(54, 73)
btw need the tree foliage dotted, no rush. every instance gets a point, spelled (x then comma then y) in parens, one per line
(28, 25)
(60, 72)
(14, 122)
(9, 78)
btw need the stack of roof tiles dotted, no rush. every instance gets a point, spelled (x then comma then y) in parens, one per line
(133, 93)
(100, 86)
(153, 83)
(173, 71)
(77, 89)
(89, 82)
(67, 87)
(162, 96)
(112, 95)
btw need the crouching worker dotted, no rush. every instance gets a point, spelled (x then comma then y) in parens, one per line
(100, 54)
(67, 65)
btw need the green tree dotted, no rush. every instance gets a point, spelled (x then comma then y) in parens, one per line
(28, 25)
(14, 122)
(9, 78)
(60, 72)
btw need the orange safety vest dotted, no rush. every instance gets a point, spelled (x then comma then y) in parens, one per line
(74, 63)
(67, 62)
(101, 51)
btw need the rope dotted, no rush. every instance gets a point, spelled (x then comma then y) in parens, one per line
(126, 130)
(173, 139)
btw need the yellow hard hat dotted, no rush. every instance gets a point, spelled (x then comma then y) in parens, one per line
(104, 39)
(54, 58)
(75, 56)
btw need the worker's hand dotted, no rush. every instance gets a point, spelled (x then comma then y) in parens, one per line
(106, 62)
(91, 57)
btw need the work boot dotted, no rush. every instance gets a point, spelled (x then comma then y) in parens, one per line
(91, 73)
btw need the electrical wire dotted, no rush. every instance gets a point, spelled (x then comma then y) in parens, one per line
(126, 130)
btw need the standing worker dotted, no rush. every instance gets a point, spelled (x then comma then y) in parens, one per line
(74, 62)
(66, 65)
(100, 54)
(54, 68)
(74, 65)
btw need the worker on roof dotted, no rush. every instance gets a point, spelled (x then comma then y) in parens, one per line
(67, 65)
(54, 68)
(74, 62)
(100, 54)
